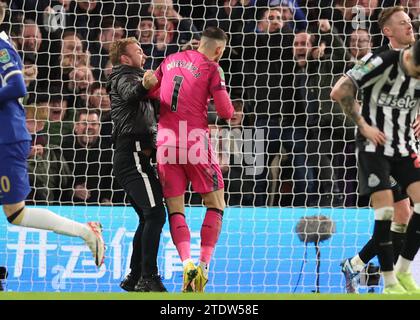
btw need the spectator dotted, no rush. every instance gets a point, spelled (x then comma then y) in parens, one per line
(31, 46)
(107, 70)
(413, 10)
(30, 72)
(31, 38)
(36, 120)
(80, 79)
(291, 13)
(229, 15)
(369, 20)
(164, 10)
(41, 47)
(85, 17)
(349, 15)
(47, 170)
(145, 30)
(60, 116)
(233, 17)
(72, 52)
(52, 18)
(110, 31)
(55, 16)
(145, 33)
(341, 16)
(33, 8)
(59, 119)
(99, 100)
(360, 45)
(234, 156)
(199, 11)
(89, 157)
(314, 75)
(165, 41)
(267, 67)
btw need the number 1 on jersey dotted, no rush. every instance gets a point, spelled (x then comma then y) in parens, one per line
(174, 103)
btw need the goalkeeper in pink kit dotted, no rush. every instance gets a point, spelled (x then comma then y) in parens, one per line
(187, 80)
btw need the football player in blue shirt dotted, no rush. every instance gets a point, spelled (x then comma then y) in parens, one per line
(15, 145)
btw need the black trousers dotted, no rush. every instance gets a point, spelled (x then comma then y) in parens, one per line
(138, 177)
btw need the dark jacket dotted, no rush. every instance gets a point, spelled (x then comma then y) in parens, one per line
(268, 67)
(133, 114)
(90, 166)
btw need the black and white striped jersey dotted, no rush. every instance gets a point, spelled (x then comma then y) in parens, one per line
(377, 51)
(390, 102)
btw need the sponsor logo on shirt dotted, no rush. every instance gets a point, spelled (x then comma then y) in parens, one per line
(393, 181)
(391, 101)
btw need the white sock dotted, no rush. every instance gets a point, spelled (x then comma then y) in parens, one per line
(403, 265)
(357, 263)
(389, 278)
(205, 267)
(186, 261)
(47, 220)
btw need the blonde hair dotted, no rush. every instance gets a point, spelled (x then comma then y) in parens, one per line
(386, 14)
(36, 113)
(118, 49)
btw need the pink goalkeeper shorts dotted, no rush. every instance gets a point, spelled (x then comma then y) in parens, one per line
(176, 167)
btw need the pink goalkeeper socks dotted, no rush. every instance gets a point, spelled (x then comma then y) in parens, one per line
(181, 236)
(210, 230)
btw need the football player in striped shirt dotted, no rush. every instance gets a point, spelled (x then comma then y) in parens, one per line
(390, 83)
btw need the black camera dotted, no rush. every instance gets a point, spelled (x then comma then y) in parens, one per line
(3, 276)
(3, 273)
(370, 275)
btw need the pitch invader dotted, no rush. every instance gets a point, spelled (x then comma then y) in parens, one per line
(386, 146)
(15, 145)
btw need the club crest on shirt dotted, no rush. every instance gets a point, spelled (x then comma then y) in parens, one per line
(4, 56)
(373, 180)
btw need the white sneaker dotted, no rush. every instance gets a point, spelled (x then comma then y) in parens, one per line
(96, 243)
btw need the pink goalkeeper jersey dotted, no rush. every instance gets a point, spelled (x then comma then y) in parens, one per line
(188, 80)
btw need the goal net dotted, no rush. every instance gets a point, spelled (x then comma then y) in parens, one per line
(288, 153)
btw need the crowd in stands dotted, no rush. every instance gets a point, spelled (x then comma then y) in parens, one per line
(282, 59)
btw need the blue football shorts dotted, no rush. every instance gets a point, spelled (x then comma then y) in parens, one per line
(14, 179)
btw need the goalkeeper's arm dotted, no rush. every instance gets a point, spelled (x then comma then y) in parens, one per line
(223, 104)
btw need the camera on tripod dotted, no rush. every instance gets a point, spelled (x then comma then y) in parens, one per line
(3, 276)
(370, 276)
